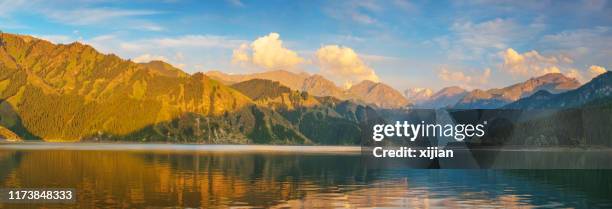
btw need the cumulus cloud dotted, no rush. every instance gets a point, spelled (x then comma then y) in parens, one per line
(343, 65)
(591, 72)
(595, 70)
(267, 52)
(241, 54)
(530, 63)
(533, 64)
(460, 78)
(148, 57)
(575, 74)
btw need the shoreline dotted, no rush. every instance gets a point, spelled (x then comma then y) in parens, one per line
(255, 148)
(226, 148)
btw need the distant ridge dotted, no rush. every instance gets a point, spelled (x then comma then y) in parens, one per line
(495, 98)
(598, 90)
(445, 97)
(382, 96)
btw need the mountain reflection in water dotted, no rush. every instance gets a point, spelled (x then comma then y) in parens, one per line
(136, 179)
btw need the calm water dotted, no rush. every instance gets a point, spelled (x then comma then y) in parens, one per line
(204, 178)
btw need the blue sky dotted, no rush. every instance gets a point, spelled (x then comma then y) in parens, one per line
(407, 44)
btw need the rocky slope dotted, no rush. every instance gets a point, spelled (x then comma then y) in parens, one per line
(379, 94)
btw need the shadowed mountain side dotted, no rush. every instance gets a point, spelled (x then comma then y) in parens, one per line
(324, 120)
(582, 126)
(260, 89)
(11, 126)
(250, 125)
(6, 134)
(337, 125)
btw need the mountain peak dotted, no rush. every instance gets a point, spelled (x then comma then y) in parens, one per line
(379, 94)
(597, 90)
(319, 86)
(449, 91)
(445, 97)
(164, 68)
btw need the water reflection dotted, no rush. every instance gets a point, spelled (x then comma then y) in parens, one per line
(196, 179)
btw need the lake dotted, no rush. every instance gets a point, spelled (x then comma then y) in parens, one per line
(137, 176)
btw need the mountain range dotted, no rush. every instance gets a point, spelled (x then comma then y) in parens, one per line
(71, 92)
(367, 92)
(458, 98)
(446, 97)
(597, 91)
(495, 98)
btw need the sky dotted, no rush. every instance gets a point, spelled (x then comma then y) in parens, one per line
(406, 44)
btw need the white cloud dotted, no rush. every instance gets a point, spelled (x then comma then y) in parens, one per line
(470, 41)
(591, 72)
(343, 65)
(268, 53)
(81, 13)
(530, 64)
(88, 16)
(456, 77)
(575, 74)
(241, 54)
(595, 70)
(533, 64)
